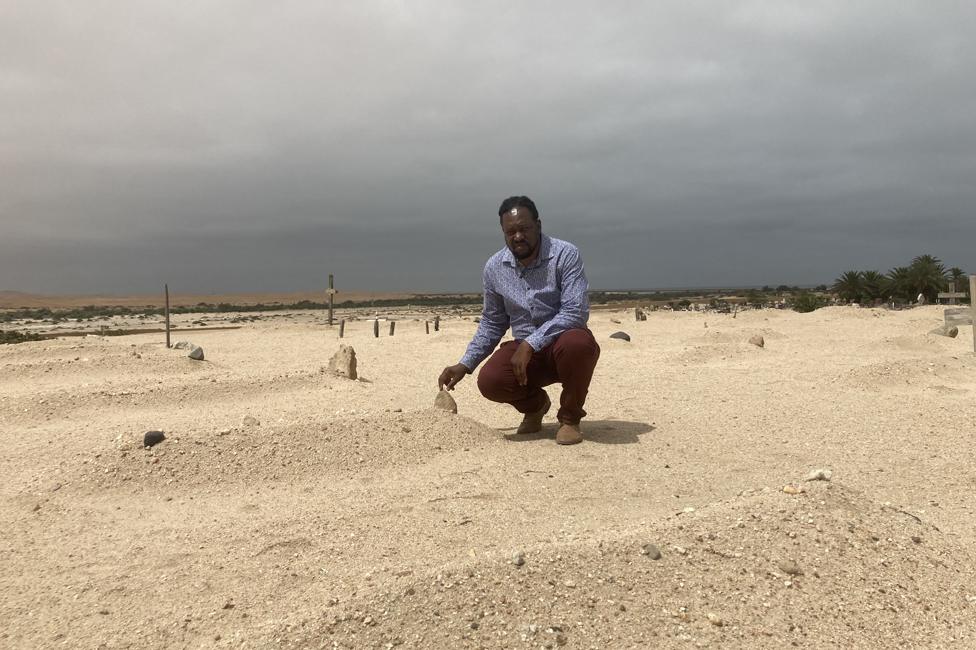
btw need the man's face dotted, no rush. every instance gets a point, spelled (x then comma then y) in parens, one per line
(522, 233)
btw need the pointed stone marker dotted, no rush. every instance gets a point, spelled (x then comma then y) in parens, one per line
(445, 401)
(343, 362)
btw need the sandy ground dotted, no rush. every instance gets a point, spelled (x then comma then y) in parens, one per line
(354, 515)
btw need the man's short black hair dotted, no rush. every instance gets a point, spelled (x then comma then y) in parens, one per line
(518, 202)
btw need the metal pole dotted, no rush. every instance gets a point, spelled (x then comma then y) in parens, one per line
(427, 326)
(392, 326)
(376, 327)
(342, 327)
(331, 299)
(437, 323)
(166, 288)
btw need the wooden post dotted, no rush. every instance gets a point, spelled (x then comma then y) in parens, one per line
(331, 293)
(392, 326)
(342, 328)
(427, 326)
(166, 289)
(376, 327)
(437, 323)
(972, 306)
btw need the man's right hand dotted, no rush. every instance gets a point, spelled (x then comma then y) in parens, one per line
(451, 376)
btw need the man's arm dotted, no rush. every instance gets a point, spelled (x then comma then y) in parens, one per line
(494, 323)
(574, 307)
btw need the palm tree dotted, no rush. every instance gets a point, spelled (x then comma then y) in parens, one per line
(899, 284)
(848, 286)
(957, 275)
(928, 276)
(872, 285)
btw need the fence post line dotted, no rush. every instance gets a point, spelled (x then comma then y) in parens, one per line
(342, 328)
(392, 326)
(427, 326)
(437, 323)
(376, 327)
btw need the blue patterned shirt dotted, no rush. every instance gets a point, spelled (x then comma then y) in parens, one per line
(539, 302)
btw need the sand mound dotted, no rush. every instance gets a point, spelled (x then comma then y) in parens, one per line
(270, 453)
(828, 568)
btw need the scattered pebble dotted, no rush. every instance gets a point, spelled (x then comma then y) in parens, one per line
(757, 340)
(250, 421)
(153, 438)
(651, 551)
(819, 475)
(518, 558)
(623, 336)
(196, 353)
(790, 568)
(715, 620)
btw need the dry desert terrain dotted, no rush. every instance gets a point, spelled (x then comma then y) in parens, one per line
(292, 508)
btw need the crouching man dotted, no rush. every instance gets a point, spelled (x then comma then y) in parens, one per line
(536, 286)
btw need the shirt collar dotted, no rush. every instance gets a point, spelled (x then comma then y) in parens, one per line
(545, 252)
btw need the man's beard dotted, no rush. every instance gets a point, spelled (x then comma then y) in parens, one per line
(521, 254)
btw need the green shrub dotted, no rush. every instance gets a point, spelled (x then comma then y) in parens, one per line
(806, 302)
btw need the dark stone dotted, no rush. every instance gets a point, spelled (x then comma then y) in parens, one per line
(623, 336)
(196, 353)
(153, 438)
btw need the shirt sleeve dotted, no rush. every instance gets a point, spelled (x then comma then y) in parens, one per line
(574, 305)
(494, 323)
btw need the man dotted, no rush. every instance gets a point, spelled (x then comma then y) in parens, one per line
(537, 286)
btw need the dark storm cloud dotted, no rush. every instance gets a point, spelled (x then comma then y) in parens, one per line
(261, 146)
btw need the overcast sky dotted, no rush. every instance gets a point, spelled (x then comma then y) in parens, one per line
(259, 146)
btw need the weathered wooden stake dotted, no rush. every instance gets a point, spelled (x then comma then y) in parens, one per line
(166, 288)
(972, 306)
(376, 327)
(392, 326)
(437, 323)
(342, 328)
(427, 326)
(331, 293)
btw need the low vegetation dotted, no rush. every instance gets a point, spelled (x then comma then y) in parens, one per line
(13, 336)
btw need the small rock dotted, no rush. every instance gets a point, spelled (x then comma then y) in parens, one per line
(224, 432)
(623, 336)
(36, 507)
(343, 362)
(757, 340)
(250, 421)
(819, 475)
(196, 353)
(614, 320)
(715, 620)
(518, 558)
(793, 489)
(916, 539)
(152, 438)
(651, 551)
(474, 625)
(445, 401)
(790, 568)
(183, 345)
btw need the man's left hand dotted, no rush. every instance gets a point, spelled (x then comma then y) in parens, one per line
(520, 363)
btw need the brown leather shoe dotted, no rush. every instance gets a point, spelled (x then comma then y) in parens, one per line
(569, 434)
(532, 422)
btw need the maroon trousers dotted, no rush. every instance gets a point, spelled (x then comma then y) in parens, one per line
(570, 360)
